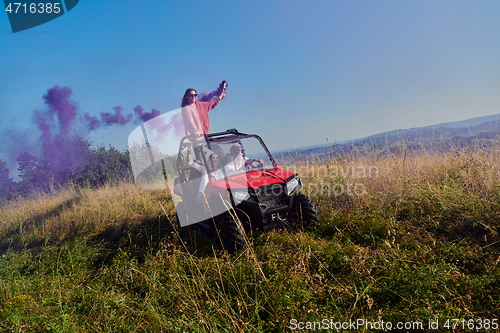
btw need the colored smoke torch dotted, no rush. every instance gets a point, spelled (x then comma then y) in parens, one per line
(204, 97)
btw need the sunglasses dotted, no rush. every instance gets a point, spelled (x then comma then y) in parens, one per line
(193, 95)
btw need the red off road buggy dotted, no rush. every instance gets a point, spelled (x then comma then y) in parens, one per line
(246, 192)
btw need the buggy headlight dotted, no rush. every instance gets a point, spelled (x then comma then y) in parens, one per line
(292, 185)
(239, 196)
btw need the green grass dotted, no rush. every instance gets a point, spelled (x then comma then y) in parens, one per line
(420, 243)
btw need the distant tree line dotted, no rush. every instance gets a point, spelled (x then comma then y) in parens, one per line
(64, 161)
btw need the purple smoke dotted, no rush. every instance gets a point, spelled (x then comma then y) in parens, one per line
(44, 123)
(145, 116)
(204, 97)
(60, 114)
(92, 122)
(56, 125)
(61, 121)
(116, 118)
(109, 118)
(59, 103)
(60, 125)
(161, 129)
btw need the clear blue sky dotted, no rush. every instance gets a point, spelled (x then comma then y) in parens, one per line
(298, 71)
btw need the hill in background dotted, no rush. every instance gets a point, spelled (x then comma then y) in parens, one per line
(480, 132)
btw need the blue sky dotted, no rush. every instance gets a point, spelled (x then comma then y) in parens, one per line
(298, 71)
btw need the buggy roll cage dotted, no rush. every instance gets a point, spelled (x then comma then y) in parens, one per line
(229, 135)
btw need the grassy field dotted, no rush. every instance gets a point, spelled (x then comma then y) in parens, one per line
(404, 239)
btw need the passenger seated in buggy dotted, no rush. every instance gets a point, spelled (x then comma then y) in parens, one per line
(216, 171)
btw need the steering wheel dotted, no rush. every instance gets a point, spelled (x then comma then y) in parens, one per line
(253, 164)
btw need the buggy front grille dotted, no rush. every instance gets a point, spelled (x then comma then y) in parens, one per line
(272, 195)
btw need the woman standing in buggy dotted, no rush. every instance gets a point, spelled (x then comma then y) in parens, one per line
(195, 112)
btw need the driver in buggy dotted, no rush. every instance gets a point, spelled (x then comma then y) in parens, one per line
(236, 161)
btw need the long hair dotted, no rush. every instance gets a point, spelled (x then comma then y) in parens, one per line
(186, 93)
(219, 165)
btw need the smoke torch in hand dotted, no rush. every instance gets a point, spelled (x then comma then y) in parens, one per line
(224, 86)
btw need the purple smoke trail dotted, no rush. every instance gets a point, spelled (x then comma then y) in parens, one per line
(175, 122)
(44, 126)
(145, 116)
(108, 119)
(50, 151)
(62, 126)
(92, 122)
(204, 97)
(60, 106)
(55, 125)
(59, 103)
(117, 118)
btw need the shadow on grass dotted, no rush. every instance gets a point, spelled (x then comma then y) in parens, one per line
(138, 238)
(15, 239)
(152, 235)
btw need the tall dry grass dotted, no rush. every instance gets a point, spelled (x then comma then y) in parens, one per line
(79, 212)
(457, 177)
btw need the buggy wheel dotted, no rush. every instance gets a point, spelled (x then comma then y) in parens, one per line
(232, 236)
(304, 212)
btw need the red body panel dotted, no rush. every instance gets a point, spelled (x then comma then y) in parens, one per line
(253, 179)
